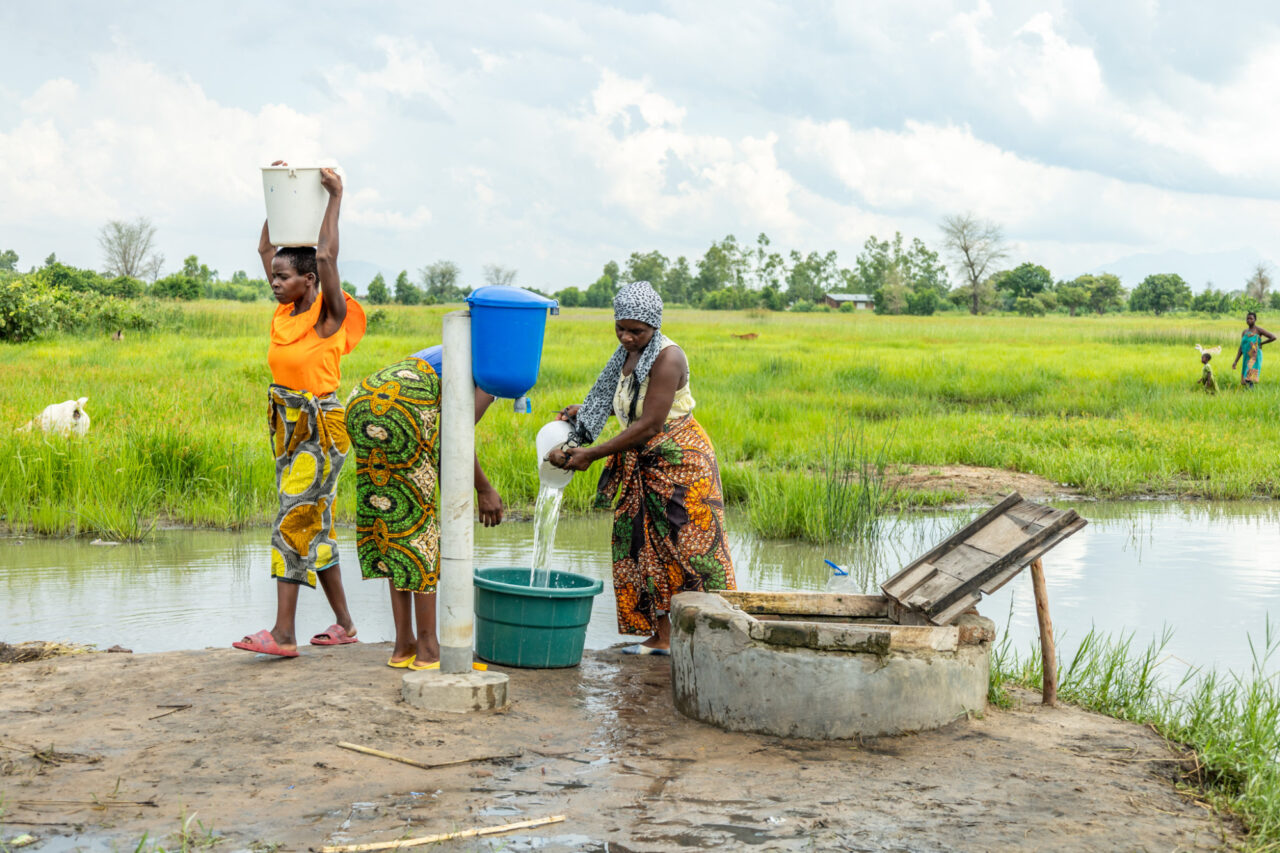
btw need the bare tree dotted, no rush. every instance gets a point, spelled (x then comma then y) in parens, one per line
(976, 246)
(1259, 283)
(128, 248)
(494, 274)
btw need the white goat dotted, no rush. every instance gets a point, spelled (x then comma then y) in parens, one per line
(63, 418)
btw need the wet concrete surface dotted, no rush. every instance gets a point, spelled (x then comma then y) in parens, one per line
(255, 758)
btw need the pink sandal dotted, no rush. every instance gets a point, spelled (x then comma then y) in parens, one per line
(264, 644)
(334, 635)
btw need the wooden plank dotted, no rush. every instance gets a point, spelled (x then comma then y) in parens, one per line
(808, 603)
(978, 559)
(1001, 535)
(1029, 512)
(934, 589)
(965, 561)
(952, 540)
(1014, 557)
(902, 615)
(1004, 577)
(956, 609)
(907, 638)
(904, 582)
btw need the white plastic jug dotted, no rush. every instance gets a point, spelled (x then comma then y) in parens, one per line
(295, 204)
(549, 438)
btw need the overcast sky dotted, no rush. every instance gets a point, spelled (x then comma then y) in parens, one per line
(552, 137)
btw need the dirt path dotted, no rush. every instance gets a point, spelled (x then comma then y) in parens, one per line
(248, 748)
(977, 485)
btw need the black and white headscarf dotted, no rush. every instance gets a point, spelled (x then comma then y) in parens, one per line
(635, 301)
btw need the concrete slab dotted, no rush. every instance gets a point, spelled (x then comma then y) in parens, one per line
(464, 693)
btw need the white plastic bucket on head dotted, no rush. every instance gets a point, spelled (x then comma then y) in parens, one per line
(549, 438)
(295, 204)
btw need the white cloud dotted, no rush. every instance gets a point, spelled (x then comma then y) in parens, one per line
(410, 69)
(554, 142)
(660, 174)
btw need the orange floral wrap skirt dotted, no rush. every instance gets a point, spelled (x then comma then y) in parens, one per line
(668, 523)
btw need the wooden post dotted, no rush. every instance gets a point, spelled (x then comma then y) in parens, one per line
(1048, 652)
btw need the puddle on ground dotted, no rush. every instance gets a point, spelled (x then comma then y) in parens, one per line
(1200, 568)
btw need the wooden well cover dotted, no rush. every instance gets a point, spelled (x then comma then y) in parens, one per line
(979, 559)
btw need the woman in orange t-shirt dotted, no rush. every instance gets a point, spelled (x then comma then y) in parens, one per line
(314, 325)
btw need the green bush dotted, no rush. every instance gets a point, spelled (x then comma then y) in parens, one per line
(250, 290)
(122, 286)
(730, 299)
(30, 308)
(27, 311)
(60, 276)
(176, 286)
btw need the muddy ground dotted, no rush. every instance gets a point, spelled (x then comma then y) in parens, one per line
(977, 485)
(244, 748)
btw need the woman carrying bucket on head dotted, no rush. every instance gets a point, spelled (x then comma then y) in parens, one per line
(394, 421)
(314, 326)
(668, 520)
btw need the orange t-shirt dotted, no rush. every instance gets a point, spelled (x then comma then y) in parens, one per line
(302, 360)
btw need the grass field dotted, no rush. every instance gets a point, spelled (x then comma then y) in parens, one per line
(1103, 404)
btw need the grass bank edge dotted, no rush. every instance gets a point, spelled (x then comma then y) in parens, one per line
(1231, 722)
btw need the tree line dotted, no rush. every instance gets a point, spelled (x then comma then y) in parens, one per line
(900, 277)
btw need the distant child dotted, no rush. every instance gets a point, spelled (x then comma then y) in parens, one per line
(1207, 383)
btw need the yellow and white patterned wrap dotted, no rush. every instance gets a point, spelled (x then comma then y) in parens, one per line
(309, 440)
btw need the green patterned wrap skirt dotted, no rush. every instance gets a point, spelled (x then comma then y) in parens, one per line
(393, 419)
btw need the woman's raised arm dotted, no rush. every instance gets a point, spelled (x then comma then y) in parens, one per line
(266, 251)
(335, 301)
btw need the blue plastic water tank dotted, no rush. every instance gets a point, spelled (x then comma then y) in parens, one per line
(507, 327)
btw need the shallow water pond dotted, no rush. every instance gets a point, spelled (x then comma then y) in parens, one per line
(1209, 571)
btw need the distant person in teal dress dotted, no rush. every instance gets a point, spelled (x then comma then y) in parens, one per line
(1252, 340)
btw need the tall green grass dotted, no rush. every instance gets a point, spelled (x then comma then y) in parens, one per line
(841, 498)
(1104, 405)
(1231, 721)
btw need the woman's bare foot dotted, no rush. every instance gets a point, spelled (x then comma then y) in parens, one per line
(285, 640)
(661, 638)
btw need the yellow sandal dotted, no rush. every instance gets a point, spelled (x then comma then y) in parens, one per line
(407, 663)
(478, 667)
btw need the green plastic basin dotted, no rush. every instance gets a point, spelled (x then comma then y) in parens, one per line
(533, 627)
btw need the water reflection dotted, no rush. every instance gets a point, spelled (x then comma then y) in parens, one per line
(1206, 569)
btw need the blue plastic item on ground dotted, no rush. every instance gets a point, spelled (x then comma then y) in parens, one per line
(507, 328)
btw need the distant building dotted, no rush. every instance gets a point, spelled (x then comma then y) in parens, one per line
(861, 302)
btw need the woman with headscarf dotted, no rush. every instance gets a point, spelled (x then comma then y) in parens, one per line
(661, 475)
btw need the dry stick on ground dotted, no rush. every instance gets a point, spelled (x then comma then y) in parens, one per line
(1047, 651)
(377, 753)
(100, 803)
(176, 709)
(445, 836)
